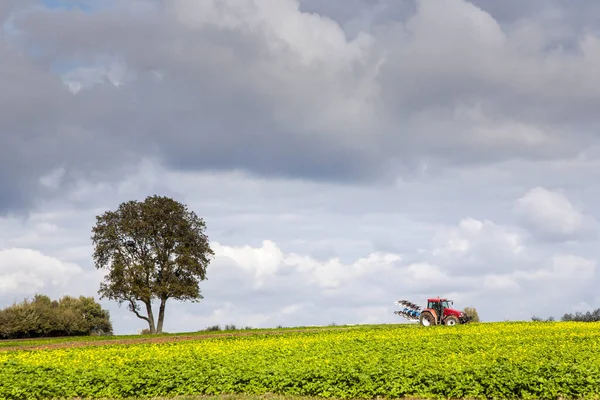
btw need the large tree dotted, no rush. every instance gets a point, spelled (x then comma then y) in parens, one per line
(153, 250)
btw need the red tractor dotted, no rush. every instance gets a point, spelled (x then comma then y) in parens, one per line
(438, 312)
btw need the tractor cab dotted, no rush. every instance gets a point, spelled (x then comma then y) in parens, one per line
(439, 305)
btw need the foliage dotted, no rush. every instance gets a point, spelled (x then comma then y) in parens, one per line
(472, 312)
(213, 328)
(217, 328)
(593, 316)
(487, 360)
(153, 250)
(42, 317)
(539, 319)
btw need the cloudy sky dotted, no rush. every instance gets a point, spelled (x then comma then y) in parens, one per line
(343, 153)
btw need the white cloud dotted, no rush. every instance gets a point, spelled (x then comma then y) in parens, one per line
(454, 20)
(53, 179)
(468, 247)
(503, 283)
(267, 262)
(83, 77)
(551, 214)
(563, 269)
(25, 271)
(310, 37)
(259, 262)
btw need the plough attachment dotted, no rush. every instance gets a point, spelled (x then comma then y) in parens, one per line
(408, 304)
(410, 310)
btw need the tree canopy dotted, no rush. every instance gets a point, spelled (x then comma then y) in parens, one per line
(153, 250)
(472, 312)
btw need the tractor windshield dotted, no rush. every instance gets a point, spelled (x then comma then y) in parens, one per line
(445, 304)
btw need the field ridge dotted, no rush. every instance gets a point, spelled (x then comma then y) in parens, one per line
(90, 341)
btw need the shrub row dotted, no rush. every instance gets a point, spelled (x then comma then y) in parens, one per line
(43, 317)
(589, 316)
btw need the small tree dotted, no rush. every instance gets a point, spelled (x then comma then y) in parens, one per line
(155, 249)
(472, 312)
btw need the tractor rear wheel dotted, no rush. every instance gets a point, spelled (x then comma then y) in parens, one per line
(427, 319)
(451, 320)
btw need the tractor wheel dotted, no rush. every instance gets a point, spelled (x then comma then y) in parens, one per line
(427, 319)
(451, 320)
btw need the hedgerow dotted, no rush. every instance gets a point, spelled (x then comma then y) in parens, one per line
(43, 317)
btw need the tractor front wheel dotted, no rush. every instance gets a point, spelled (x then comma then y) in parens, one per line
(427, 319)
(451, 320)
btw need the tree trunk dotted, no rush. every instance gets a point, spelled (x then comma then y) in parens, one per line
(161, 315)
(150, 317)
(134, 308)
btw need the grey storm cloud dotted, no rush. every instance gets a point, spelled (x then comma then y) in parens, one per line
(271, 90)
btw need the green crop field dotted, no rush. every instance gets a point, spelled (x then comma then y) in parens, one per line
(488, 360)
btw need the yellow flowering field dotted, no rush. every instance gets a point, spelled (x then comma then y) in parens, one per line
(486, 360)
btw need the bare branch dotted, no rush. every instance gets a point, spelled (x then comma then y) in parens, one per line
(133, 308)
